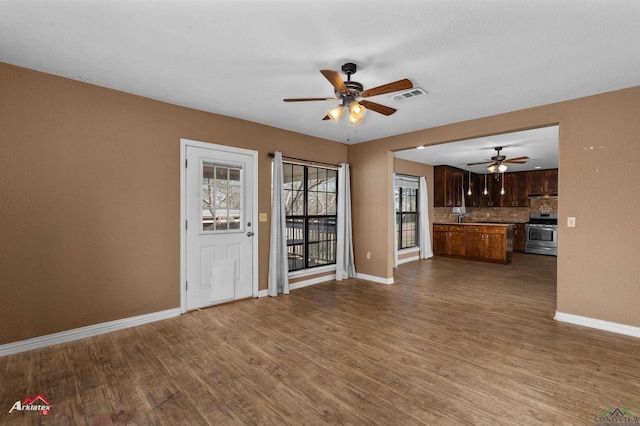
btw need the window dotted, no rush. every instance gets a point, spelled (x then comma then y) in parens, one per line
(311, 198)
(221, 197)
(406, 202)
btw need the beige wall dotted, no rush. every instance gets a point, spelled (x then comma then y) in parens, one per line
(89, 183)
(412, 168)
(599, 157)
(373, 232)
(90, 190)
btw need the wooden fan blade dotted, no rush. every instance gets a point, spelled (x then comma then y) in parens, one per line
(335, 80)
(515, 162)
(309, 99)
(381, 109)
(476, 164)
(516, 159)
(326, 117)
(403, 84)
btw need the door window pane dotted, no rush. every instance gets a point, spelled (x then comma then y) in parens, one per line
(221, 197)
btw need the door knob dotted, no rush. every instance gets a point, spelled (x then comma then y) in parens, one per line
(249, 234)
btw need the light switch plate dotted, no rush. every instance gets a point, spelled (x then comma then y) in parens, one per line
(571, 222)
(262, 217)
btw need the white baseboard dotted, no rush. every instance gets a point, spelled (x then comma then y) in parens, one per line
(305, 283)
(375, 279)
(312, 281)
(82, 332)
(408, 259)
(613, 327)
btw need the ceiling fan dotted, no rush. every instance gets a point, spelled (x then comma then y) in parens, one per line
(498, 162)
(349, 92)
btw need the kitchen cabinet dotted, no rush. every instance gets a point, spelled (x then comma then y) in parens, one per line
(518, 237)
(516, 194)
(447, 183)
(515, 190)
(475, 245)
(493, 197)
(448, 240)
(474, 182)
(451, 182)
(489, 243)
(542, 182)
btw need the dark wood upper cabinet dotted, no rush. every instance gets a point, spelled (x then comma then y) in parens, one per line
(492, 198)
(516, 194)
(470, 180)
(448, 186)
(450, 183)
(542, 182)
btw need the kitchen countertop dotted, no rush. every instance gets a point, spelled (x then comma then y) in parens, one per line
(485, 223)
(494, 223)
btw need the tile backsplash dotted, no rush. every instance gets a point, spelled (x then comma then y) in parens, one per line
(544, 205)
(498, 214)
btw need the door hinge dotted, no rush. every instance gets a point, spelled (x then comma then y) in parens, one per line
(186, 163)
(186, 285)
(186, 224)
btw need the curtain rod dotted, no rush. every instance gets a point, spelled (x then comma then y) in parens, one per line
(271, 155)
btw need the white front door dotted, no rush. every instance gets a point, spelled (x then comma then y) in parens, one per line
(219, 210)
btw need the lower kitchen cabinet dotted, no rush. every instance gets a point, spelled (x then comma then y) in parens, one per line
(448, 240)
(488, 243)
(491, 243)
(475, 244)
(518, 237)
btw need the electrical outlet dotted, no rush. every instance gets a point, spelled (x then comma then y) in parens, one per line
(571, 222)
(368, 255)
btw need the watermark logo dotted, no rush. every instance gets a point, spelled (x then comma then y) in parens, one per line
(617, 416)
(38, 403)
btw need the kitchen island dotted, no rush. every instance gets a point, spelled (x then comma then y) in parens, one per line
(487, 242)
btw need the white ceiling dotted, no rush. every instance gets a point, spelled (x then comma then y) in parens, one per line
(241, 58)
(540, 145)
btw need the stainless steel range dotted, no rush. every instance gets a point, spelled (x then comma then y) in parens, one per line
(541, 234)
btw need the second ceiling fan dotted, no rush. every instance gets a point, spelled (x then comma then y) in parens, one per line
(499, 162)
(349, 93)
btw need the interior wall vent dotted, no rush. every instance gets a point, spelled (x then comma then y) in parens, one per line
(409, 94)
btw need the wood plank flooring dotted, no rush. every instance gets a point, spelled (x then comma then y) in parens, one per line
(451, 342)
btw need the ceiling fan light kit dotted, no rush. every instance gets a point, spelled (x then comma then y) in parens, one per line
(349, 92)
(498, 162)
(498, 165)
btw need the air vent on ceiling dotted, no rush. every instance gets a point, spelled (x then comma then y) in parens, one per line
(409, 94)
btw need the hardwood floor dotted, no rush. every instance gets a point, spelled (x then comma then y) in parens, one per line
(452, 342)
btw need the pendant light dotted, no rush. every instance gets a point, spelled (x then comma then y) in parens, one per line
(469, 190)
(502, 190)
(485, 192)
